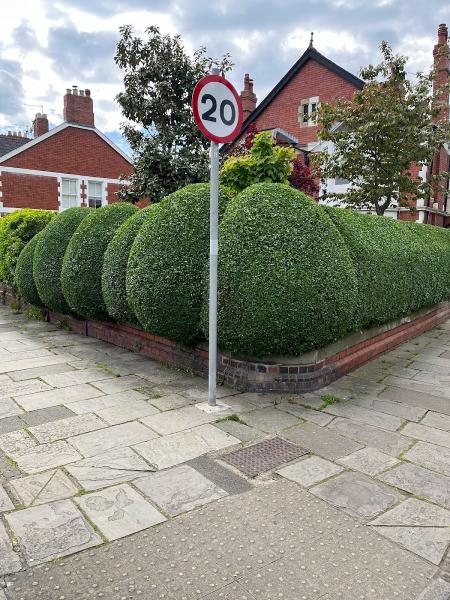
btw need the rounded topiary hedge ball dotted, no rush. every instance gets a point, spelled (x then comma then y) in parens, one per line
(49, 255)
(23, 278)
(167, 260)
(286, 281)
(115, 266)
(81, 275)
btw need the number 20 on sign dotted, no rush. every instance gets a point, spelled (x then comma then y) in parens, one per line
(218, 113)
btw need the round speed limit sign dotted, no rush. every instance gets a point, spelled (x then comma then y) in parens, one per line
(217, 109)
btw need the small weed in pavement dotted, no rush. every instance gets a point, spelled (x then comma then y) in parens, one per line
(328, 399)
(231, 418)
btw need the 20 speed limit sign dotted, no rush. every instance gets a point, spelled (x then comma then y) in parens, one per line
(217, 109)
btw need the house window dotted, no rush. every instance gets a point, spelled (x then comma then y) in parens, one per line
(95, 195)
(307, 111)
(341, 181)
(69, 195)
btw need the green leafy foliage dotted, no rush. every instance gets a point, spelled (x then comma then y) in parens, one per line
(167, 259)
(23, 278)
(266, 162)
(159, 79)
(81, 275)
(287, 283)
(16, 230)
(49, 255)
(387, 127)
(115, 266)
(401, 266)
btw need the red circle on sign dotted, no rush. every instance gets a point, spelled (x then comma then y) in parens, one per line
(240, 116)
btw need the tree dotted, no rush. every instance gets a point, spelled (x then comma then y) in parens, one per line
(266, 162)
(159, 78)
(380, 134)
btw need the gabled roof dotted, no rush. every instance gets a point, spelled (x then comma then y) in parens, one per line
(310, 54)
(10, 142)
(56, 130)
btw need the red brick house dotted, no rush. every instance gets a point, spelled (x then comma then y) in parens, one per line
(288, 111)
(73, 164)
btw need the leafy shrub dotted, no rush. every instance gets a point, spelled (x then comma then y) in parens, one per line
(16, 230)
(398, 270)
(265, 162)
(23, 278)
(287, 283)
(168, 256)
(49, 254)
(115, 266)
(81, 274)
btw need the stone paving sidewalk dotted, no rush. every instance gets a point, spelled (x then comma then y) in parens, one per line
(114, 483)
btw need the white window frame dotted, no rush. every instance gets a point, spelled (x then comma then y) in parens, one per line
(76, 196)
(101, 197)
(309, 102)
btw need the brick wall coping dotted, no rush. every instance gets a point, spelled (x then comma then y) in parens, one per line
(280, 375)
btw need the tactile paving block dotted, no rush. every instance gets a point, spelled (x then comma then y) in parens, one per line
(263, 456)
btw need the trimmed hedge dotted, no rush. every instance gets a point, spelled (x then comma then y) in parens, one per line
(81, 274)
(49, 254)
(16, 230)
(115, 266)
(167, 259)
(23, 278)
(399, 268)
(287, 283)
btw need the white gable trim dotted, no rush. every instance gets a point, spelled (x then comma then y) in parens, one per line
(56, 130)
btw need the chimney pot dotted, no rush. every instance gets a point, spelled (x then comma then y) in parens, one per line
(87, 92)
(9, 132)
(81, 92)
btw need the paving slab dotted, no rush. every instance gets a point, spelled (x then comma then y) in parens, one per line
(5, 501)
(9, 408)
(415, 513)
(364, 415)
(420, 482)
(357, 494)
(22, 388)
(129, 411)
(390, 442)
(239, 430)
(99, 442)
(9, 424)
(427, 434)
(436, 458)
(414, 398)
(103, 402)
(437, 590)
(47, 456)
(178, 420)
(64, 428)
(428, 542)
(60, 380)
(37, 372)
(310, 471)
(222, 476)
(321, 441)
(180, 447)
(369, 461)
(179, 489)
(119, 511)
(315, 416)
(404, 411)
(270, 420)
(43, 487)
(115, 385)
(16, 443)
(169, 401)
(437, 420)
(8, 366)
(55, 397)
(115, 466)
(9, 560)
(46, 415)
(51, 530)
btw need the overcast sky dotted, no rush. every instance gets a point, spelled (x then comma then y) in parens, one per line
(49, 45)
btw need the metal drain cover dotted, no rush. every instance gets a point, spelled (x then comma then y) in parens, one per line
(264, 456)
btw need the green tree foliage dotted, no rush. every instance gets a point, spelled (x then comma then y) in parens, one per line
(49, 255)
(81, 274)
(167, 260)
(115, 266)
(159, 79)
(16, 230)
(266, 162)
(287, 283)
(23, 278)
(378, 135)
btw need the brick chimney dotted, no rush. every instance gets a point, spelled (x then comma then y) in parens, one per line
(248, 96)
(40, 124)
(78, 107)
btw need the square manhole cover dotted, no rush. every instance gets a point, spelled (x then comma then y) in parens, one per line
(264, 456)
